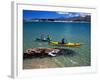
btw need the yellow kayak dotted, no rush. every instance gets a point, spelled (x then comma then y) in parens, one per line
(66, 44)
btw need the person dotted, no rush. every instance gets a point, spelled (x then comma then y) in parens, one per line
(63, 41)
(48, 38)
(42, 37)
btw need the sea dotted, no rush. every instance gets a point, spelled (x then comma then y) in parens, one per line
(75, 32)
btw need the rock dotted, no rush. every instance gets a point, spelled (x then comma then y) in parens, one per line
(41, 51)
(45, 52)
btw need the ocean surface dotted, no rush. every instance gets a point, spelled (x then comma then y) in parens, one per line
(72, 32)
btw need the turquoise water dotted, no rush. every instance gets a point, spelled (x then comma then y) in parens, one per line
(72, 32)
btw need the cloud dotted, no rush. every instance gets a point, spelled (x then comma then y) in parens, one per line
(60, 12)
(68, 14)
(72, 14)
(84, 14)
(76, 15)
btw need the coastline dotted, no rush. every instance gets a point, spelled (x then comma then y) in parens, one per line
(56, 21)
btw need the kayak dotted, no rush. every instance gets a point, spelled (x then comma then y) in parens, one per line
(37, 39)
(65, 45)
(40, 40)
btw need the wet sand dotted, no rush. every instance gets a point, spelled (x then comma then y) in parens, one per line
(39, 63)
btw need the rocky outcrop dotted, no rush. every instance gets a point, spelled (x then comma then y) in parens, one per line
(41, 52)
(47, 52)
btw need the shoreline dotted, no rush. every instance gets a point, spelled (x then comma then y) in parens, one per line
(54, 22)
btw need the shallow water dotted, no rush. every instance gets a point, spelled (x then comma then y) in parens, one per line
(72, 32)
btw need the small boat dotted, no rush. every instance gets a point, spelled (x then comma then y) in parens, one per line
(65, 45)
(40, 40)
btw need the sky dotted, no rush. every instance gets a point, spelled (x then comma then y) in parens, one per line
(31, 14)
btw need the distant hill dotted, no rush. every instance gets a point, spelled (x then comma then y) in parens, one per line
(86, 18)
